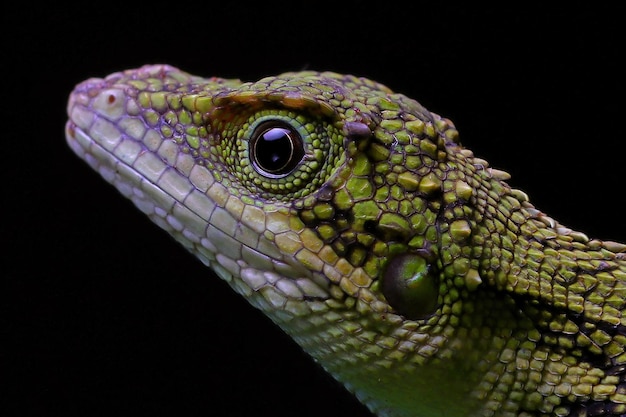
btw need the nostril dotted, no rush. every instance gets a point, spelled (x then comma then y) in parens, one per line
(109, 103)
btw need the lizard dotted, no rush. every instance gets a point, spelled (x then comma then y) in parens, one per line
(354, 218)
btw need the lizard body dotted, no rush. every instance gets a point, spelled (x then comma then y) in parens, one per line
(354, 218)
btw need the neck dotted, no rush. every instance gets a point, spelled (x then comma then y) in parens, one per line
(572, 287)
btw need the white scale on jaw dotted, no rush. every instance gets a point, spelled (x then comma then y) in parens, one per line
(131, 157)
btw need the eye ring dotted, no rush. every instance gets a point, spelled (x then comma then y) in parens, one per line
(276, 149)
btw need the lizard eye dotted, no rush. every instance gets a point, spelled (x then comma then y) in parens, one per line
(280, 154)
(276, 149)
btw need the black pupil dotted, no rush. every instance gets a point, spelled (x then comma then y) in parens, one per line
(277, 150)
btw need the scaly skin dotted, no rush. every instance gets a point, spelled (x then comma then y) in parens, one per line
(400, 262)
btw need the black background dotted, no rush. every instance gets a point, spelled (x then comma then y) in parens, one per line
(103, 314)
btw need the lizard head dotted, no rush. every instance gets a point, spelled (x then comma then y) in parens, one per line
(348, 213)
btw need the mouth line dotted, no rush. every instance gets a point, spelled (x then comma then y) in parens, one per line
(258, 270)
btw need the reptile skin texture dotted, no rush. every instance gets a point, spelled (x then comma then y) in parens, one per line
(354, 218)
